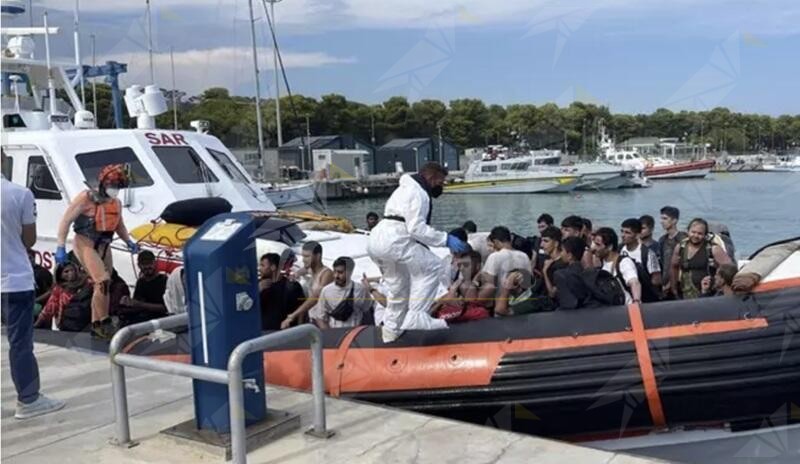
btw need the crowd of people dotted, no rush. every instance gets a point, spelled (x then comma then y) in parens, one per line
(570, 265)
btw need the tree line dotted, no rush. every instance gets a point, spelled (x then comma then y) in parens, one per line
(467, 122)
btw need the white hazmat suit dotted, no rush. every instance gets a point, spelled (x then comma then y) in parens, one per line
(411, 272)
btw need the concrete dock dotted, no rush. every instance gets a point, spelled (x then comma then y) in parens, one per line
(364, 433)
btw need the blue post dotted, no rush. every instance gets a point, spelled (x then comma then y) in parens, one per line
(224, 311)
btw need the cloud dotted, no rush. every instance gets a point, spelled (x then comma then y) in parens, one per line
(231, 67)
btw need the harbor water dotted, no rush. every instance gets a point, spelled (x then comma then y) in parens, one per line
(758, 208)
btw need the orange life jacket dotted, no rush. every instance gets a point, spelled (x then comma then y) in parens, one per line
(107, 215)
(100, 221)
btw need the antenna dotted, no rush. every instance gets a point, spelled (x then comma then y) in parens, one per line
(51, 88)
(78, 51)
(260, 130)
(150, 43)
(94, 81)
(174, 102)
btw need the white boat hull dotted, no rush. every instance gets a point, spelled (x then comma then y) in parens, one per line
(293, 195)
(516, 186)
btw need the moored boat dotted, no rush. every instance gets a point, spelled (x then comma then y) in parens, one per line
(513, 175)
(727, 361)
(667, 169)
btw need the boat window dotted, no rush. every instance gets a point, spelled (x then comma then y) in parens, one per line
(490, 168)
(628, 157)
(11, 121)
(8, 166)
(91, 163)
(228, 166)
(184, 165)
(507, 166)
(40, 180)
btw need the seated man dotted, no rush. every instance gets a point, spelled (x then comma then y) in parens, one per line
(503, 259)
(148, 295)
(467, 298)
(343, 302)
(571, 291)
(279, 296)
(722, 282)
(550, 261)
(516, 296)
(175, 295)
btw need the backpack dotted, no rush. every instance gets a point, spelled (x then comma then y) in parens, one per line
(649, 293)
(77, 313)
(604, 287)
(525, 245)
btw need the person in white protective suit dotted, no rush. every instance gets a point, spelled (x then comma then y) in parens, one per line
(399, 246)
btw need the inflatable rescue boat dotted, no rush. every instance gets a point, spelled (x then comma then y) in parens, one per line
(727, 361)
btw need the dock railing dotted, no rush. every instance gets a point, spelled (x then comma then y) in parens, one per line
(232, 376)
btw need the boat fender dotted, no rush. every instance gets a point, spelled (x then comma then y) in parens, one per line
(195, 211)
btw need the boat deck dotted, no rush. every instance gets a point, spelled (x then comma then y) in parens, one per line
(364, 433)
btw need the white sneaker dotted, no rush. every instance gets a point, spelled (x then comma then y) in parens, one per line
(42, 405)
(389, 335)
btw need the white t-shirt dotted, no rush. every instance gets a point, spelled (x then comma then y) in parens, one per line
(479, 242)
(175, 294)
(502, 262)
(330, 297)
(628, 270)
(653, 265)
(19, 208)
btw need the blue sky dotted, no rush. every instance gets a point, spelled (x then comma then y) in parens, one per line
(635, 56)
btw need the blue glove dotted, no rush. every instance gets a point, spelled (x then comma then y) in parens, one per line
(61, 255)
(132, 246)
(456, 245)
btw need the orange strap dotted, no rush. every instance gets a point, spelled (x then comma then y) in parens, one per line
(646, 365)
(341, 354)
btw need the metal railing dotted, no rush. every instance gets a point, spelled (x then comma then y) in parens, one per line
(232, 376)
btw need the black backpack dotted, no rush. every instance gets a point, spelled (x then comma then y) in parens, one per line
(77, 313)
(649, 293)
(345, 308)
(604, 287)
(523, 244)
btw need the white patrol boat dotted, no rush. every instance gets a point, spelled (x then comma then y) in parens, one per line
(513, 175)
(53, 148)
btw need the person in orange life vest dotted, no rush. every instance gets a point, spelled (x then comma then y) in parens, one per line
(96, 215)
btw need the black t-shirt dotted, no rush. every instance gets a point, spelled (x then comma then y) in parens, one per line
(278, 301)
(151, 291)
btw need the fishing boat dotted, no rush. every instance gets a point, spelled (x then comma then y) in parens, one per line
(53, 148)
(513, 175)
(725, 363)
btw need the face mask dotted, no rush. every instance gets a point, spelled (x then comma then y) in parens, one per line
(436, 192)
(112, 192)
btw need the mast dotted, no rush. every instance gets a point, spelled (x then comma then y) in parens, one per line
(174, 90)
(260, 129)
(277, 80)
(78, 51)
(94, 81)
(150, 43)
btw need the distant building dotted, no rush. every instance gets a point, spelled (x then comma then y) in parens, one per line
(296, 152)
(669, 147)
(413, 153)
